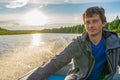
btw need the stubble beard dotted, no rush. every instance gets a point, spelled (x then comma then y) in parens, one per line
(95, 34)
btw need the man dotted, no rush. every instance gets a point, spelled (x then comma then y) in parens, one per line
(95, 54)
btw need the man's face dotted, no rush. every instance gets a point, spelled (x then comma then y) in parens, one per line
(93, 25)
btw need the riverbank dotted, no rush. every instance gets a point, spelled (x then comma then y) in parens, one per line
(18, 32)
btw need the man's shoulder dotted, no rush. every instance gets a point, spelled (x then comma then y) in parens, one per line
(82, 37)
(110, 34)
(77, 38)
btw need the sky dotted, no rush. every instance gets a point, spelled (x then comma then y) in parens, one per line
(41, 14)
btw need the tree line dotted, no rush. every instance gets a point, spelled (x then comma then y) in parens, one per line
(114, 26)
(72, 29)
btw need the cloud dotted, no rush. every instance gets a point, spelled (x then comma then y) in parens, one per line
(68, 1)
(17, 3)
(9, 17)
(21, 3)
(42, 3)
(88, 1)
(5, 1)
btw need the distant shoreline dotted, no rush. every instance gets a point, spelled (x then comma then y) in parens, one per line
(30, 32)
(18, 32)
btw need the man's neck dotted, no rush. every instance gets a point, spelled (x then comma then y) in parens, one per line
(95, 39)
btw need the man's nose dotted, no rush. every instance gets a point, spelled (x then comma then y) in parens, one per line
(91, 25)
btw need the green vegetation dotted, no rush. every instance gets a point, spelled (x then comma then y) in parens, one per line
(113, 26)
(72, 29)
(9, 32)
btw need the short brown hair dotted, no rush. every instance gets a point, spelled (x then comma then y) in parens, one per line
(95, 10)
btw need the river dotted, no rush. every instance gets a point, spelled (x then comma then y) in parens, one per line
(21, 53)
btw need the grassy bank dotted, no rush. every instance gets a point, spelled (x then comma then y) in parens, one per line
(18, 32)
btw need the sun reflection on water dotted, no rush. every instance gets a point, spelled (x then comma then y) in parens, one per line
(36, 40)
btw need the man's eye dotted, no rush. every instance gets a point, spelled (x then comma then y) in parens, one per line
(87, 22)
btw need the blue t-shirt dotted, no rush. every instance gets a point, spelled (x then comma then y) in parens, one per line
(56, 77)
(98, 52)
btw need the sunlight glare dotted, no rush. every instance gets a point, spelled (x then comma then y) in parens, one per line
(35, 17)
(22, 0)
(36, 40)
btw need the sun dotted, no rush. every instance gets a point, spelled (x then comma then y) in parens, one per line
(35, 17)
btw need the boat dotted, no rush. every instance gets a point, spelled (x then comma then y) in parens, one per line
(59, 75)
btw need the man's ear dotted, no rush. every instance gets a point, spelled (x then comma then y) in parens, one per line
(104, 23)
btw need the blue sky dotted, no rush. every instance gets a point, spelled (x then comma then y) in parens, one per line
(40, 14)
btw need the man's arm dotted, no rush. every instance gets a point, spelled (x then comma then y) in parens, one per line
(119, 53)
(56, 63)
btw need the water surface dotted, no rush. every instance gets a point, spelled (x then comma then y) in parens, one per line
(21, 53)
